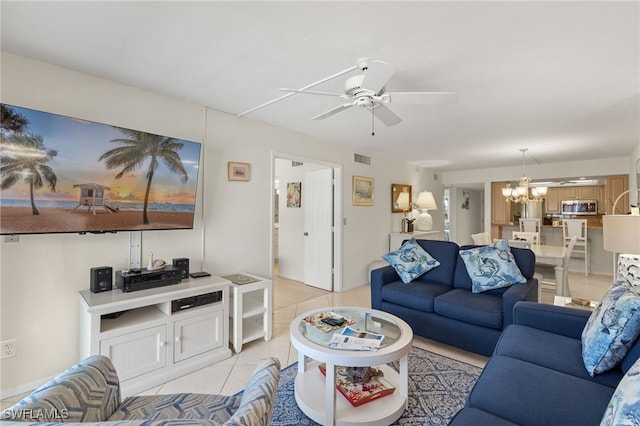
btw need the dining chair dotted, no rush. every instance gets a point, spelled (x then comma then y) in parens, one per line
(482, 238)
(531, 237)
(530, 225)
(520, 244)
(547, 288)
(577, 228)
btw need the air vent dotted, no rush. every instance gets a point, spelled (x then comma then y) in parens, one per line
(363, 159)
(296, 163)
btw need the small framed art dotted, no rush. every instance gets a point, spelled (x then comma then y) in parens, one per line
(362, 191)
(239, 171)
(294, 194)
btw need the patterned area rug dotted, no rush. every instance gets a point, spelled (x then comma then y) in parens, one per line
(438, 387)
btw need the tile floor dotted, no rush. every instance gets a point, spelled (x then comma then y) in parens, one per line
(292, 298)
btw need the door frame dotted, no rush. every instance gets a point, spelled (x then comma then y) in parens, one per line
(337, 210)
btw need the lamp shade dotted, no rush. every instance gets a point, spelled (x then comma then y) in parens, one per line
(621, 233)
(403, 201)
(426, 201)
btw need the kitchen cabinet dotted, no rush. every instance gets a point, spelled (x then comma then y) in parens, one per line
(552, 201)
(579, 193)
(500, 209)
(600, 200)
(613, 187)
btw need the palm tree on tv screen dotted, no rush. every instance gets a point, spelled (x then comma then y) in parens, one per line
(25, 157)
(11, 120)
(136, 148)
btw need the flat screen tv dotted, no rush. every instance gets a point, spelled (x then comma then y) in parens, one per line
(62, 174)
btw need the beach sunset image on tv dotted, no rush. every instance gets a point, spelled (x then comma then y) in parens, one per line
(61, 174)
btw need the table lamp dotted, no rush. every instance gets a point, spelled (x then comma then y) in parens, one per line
(621, 234)
(424, 203)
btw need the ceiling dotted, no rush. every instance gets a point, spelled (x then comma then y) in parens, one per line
(559, 78)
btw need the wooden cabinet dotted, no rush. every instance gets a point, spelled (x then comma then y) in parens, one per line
(147, 341)
(600, 199)
(613, 187)
(579, 193)
(552, 201)
(500, 209)
(587, 192)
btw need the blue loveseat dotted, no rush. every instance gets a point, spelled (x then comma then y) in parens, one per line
(537, 376)
(440, 305)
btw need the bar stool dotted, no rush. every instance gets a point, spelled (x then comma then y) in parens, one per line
(577, 228)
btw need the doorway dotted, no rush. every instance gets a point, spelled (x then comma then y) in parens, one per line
(306, 242)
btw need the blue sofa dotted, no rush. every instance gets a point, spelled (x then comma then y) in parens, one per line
(440, 305)
(536, 375)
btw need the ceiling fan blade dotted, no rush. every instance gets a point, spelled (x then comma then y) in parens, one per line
(420, 98)
(312, 92)
(376, 76)
(385, 115)
(332, 111)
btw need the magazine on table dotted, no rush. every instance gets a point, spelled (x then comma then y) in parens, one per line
(359, 393)
(328, 321)
(356, 340)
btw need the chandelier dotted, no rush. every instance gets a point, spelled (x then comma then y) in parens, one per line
(520, 194)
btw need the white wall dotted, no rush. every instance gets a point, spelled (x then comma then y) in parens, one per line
(41, 275)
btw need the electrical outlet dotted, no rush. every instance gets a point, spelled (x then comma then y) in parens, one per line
(8, 349)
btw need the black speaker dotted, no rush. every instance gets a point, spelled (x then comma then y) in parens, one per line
(182, 263)
(101, 279)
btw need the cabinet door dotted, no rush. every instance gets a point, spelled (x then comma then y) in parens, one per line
(613, 187)
(552, 200)
(587, 192)
(600, 199)
(136, 353)
(197, 334)
(499, 207)
(570, 193)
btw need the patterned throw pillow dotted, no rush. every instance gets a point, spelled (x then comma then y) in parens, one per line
(624, 406)
(611, 329)
(629, 269)
(491, 267)
(410, 261)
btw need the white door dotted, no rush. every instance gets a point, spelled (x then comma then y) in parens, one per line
(318, 228)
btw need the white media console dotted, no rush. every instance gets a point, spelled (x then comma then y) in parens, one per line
(148, 343)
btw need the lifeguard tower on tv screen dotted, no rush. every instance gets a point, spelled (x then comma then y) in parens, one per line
(92, 196)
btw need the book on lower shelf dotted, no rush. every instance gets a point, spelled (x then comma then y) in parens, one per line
(360, 393)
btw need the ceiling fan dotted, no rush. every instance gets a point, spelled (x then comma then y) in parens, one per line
(368, 90)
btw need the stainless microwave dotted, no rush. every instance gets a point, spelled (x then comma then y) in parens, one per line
(579, 207)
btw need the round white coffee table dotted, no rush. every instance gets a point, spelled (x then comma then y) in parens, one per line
(313, 348)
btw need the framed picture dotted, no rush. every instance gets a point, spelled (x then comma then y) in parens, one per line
(294, 194)
(239, 171)
(362, 191)
(400, 198)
